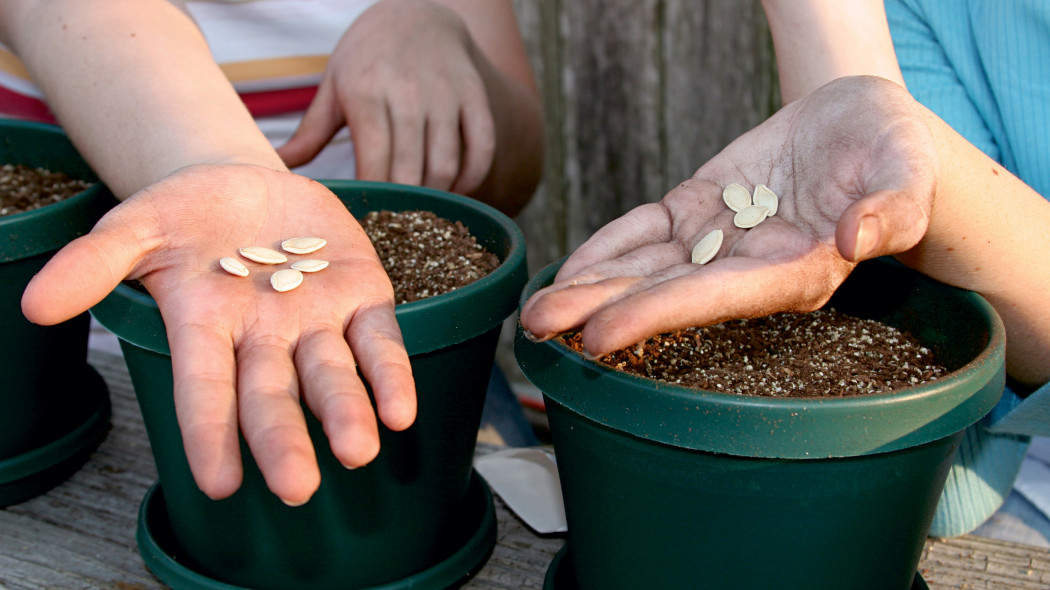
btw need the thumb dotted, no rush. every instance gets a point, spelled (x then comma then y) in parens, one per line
(83, 272)
(884, 222)
(322, 120)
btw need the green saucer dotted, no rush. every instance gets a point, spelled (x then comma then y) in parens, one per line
(161, 556)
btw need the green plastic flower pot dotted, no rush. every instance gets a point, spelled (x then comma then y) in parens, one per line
(416, 517)
(54, 408)
(669, 487)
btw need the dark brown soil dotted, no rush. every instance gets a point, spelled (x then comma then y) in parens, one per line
(426, 255)
(824, 353)
(23, 188)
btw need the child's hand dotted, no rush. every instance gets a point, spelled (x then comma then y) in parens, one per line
(854, 165)
(243, 353)
(409, 82)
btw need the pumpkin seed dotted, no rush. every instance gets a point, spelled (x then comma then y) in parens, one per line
(233, 266)
(707, 247)
(737, 197)
(303, 245)
(750, 216)
(263, 255)
(310, 265)
(286, 279)
(767, 198)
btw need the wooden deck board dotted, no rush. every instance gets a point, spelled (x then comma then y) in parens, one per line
(81, 534)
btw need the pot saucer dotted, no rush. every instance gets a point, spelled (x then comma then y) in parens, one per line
(155, 546)
(34, 472)
(560, 575)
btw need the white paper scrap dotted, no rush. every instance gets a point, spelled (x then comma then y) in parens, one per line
(1034, 483)
(527, 480)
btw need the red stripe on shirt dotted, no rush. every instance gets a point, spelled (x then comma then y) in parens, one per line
(260, 104)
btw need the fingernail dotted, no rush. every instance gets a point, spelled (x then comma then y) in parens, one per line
(868, 235)
(532, 337)
(294, 504)
(587, 355)
(348, 467)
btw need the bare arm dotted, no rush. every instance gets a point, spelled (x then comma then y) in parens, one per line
(134, 85)
(817, 41)
(990, 232)
(862, 170)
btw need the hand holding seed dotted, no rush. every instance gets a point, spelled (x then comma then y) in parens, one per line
(243, 354)
(852, 168)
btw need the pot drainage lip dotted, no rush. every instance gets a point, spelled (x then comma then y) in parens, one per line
(463, 564)
(560, 575)
(34, 472)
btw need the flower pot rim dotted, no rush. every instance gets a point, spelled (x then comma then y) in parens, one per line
(426, 325)
(765, 426)
(50, 227)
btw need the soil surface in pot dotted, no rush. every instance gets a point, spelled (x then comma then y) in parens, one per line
(824, 353)
(23, 188)
(426, 255)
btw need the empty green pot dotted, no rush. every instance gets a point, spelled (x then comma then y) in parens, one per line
(668, 487)
(54, 408)
(410, 518)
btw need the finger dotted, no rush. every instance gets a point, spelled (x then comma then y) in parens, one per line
(479, 143)
(442, 153)
(322, 120)
(550, 311)
(337, 397)
(645, 224)
(408, 133)
(272, 420)
(83, 272)
(731, 288)
(375, 338)
(884, 222)
(370, 128)
(563, 307)
(204, 373)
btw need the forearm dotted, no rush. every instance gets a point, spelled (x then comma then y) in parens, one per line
(135, 87)
(817, 41)
(518, 162)
(990, 232)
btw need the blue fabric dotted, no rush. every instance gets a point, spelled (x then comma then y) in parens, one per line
(982, 66)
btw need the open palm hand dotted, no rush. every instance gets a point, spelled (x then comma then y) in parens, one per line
(243, 354)
(854, 167)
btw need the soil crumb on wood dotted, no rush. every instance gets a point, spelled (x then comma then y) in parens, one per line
(426, 255)
(824, 353)
(23, 188)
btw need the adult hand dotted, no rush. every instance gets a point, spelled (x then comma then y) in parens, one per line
(243, 354)
(409, 82)
(854, 165)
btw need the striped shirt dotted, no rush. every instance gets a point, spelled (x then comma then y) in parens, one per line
(272, 51)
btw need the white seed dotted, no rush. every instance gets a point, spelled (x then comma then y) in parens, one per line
(233, 266)
(286, 279)
(737, 197)
(707, 247)
(263, 255)
(303, 245)
(310, 265)
(767, 198)
(750, 216)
